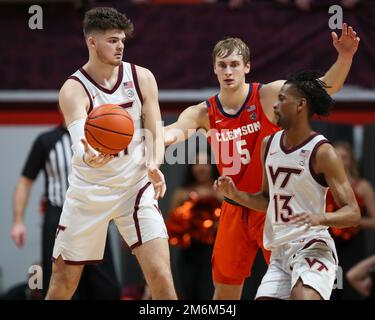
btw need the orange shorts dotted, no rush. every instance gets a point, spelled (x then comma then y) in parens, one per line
(239, 237)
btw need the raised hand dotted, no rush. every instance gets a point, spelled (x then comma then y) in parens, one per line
(347, 44)
(92, 159)
(157, 179)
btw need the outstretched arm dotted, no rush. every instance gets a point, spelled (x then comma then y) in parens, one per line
(346, 46)
(335, 77)
(258, 201)
(189, 121)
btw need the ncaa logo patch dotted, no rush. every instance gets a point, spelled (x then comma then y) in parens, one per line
(130, 93)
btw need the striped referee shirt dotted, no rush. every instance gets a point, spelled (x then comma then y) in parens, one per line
(52, 153)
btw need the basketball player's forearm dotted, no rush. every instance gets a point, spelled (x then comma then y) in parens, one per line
(258, 201)
(347, 216)
(20, 199)
(155, 152)
(18, 212)
(177, 132)
(336, 75)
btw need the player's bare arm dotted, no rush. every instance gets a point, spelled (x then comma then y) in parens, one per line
(328, 163)
(359, 276)
(190, 120)
(365, 189)
(73, 101)
(20, 199)
(74, 104)
(258, 201)
(154, 131)
(346, 46)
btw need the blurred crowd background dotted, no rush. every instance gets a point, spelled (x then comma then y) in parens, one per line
(174, 39)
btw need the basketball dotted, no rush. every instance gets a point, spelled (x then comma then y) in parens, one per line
(109, 129)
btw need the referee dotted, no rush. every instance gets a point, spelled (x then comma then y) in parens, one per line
(51, 152)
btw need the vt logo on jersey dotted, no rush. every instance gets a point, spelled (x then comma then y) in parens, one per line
(281, 170)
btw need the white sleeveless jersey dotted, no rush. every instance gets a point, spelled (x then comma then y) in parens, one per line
(293, 188)
(129, 167)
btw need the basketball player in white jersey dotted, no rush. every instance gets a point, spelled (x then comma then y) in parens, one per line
(298, 166)
(102, 187)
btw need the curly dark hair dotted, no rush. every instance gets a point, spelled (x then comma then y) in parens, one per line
(105, 18)
(309, 86)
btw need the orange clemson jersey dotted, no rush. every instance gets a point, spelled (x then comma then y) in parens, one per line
(236, 139)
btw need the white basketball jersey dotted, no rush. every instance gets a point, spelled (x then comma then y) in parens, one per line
(293, 188)
(129, 167)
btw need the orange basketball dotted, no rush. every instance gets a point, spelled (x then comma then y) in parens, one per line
(109, 129)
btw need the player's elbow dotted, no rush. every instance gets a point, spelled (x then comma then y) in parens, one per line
(356, 215)
(334, 88)
(351, 276)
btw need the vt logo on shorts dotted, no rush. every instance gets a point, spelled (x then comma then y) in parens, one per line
(312, 262)
(59, 227)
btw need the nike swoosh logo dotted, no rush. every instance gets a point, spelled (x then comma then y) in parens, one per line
(272, 153)
(218, 121)
(93, 97)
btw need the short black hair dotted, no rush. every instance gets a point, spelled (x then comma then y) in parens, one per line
(106, 18)
(309, 86)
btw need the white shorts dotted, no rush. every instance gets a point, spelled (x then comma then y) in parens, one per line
(87, 211)
(314, 261)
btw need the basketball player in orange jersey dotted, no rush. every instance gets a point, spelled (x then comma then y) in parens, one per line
(298, 167)
(237, 119)
(102, 187)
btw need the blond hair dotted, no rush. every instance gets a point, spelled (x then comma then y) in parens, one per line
(226, 47)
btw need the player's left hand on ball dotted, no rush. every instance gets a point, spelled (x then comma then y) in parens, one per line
(157, 179)
(92, 159)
